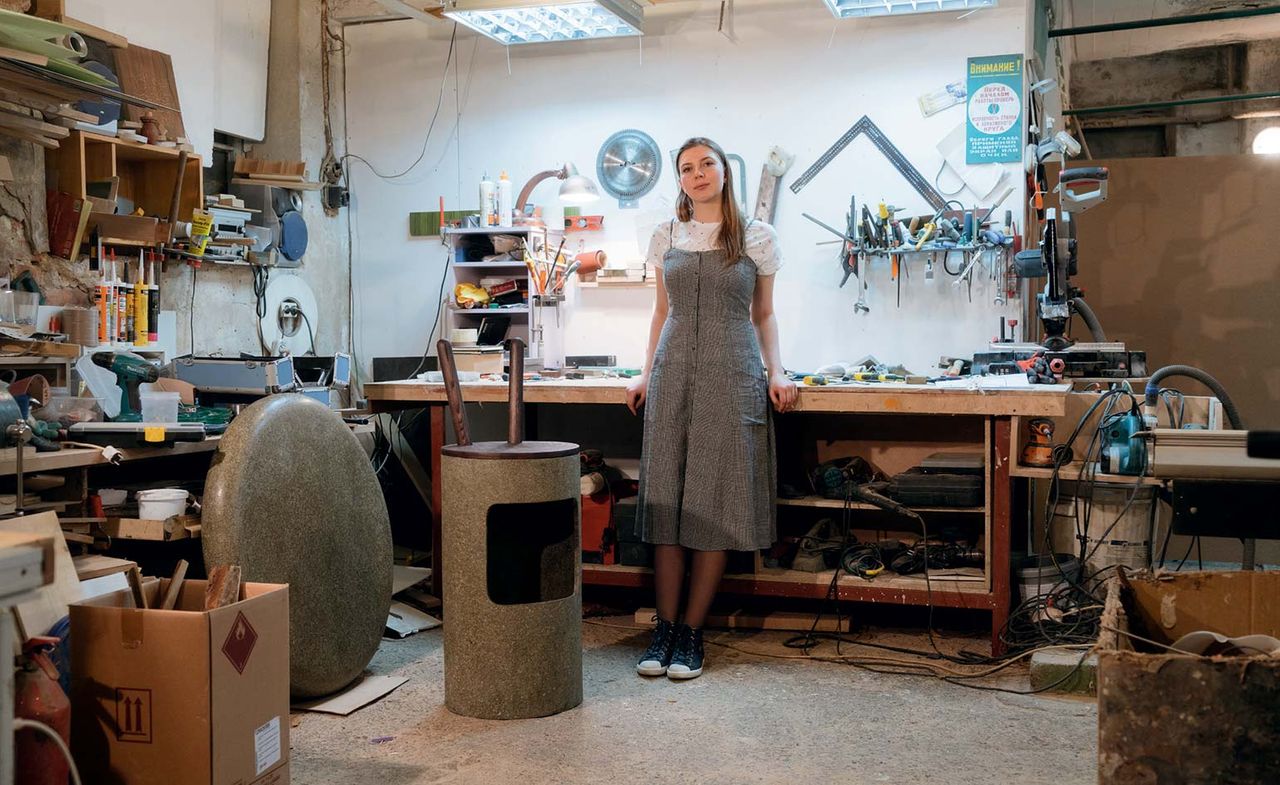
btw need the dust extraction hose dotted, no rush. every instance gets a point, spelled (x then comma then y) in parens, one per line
(1228, 406)
(1090, 319)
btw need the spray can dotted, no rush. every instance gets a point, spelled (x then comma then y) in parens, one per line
(488, 202)
(153, 304)
(140, 293)
(505, 205)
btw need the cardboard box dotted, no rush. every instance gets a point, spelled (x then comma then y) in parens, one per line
(1169, 717)
(179, 527)
(182, 697)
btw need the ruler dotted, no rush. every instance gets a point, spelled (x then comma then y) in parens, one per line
(887, 148)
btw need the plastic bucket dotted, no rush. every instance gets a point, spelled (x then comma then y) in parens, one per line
(1043, 574)
(161, 503)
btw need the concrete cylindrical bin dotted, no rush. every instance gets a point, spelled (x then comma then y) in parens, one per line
(512, 564)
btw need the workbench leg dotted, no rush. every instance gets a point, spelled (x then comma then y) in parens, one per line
(1001, 530)
(436, 437)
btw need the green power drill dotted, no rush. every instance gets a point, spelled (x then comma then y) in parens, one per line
(130, 372)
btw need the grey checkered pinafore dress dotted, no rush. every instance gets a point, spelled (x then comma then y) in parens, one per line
(707, 470)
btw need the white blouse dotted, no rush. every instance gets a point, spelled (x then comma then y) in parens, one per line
(695, 236)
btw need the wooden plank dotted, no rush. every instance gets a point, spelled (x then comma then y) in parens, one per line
(23, 57)
(95, 565)
(53, 10)
(175, 586)
(43, 348)
(295, 185)
(50, 602)
(29, 136)
(114, 40)
(134, 576)
(223, 587)
(32, 124)
(148, 74)
(777, 620)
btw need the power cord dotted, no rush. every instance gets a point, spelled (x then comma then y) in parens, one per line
(20, 723)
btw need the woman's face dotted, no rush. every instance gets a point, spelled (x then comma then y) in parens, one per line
(701, 174)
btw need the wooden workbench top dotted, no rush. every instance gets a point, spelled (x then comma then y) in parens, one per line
(882, 398)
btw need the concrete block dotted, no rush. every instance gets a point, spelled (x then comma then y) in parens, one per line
(1050, 667)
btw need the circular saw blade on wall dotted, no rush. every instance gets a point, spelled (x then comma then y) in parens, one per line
(628, 166)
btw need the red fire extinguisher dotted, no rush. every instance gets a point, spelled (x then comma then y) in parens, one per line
(38, 697)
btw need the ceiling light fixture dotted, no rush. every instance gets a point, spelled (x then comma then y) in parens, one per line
(538, 21)
(1267, 142)
(849, 9)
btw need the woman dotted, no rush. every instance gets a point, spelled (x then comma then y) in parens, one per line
(707, 474)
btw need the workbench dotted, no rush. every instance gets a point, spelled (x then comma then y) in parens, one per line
(896, 424)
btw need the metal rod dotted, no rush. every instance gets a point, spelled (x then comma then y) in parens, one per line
(515, 392)
(452, 390)
(1140, 24)
(1213, 99)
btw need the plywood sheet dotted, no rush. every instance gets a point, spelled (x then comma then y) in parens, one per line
(1177, 262)
(50, 602)
(148, 74)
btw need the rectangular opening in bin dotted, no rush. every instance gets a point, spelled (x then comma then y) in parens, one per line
(532, 551)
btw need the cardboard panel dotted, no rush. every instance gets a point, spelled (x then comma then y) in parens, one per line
(1174, 264)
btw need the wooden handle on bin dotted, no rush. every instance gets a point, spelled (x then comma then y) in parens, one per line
(449, 370)
(177, 194)
(515, 391)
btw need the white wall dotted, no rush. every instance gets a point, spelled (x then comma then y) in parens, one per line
(183, 29)
(795, 77)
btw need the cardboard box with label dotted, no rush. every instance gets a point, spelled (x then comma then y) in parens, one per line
(182, 697)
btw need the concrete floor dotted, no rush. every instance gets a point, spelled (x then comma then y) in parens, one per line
(747, 720)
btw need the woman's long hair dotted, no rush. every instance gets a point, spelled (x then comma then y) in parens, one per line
(733, 233)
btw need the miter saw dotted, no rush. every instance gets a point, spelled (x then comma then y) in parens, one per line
(1078, 190)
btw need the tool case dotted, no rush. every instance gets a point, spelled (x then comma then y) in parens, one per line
(917, 487)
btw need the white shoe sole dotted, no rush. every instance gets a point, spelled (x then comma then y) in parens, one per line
(651, 670)
(680, 675)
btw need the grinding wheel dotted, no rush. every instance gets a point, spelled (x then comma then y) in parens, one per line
(291, 498)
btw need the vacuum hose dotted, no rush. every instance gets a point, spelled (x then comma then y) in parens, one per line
(1228, 406)
(1090, 319)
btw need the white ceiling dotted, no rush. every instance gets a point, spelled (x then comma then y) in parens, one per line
(1133, 43)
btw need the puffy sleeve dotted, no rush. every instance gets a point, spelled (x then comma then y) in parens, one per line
(763, 248)
(659, 244)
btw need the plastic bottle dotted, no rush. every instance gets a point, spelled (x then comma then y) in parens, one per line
(505, 205)
(488, 202)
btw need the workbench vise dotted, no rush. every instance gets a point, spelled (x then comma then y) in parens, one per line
(130, 372)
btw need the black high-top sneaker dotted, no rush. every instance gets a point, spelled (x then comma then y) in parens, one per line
(686, 662)
(657, 657)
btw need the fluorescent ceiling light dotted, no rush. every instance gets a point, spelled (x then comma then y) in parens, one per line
(848, 9)
(539, 21)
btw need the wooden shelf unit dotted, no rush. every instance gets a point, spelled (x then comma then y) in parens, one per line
(147, 173)
(521, 317)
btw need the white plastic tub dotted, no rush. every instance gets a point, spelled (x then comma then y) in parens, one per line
(159, 406)
(161, 503)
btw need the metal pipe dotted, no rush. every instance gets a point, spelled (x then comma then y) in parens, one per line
(1141, 24)
(515, 391)
(1213, 99)
(453, 391)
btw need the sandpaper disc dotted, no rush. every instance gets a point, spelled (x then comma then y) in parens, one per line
(291, 498)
